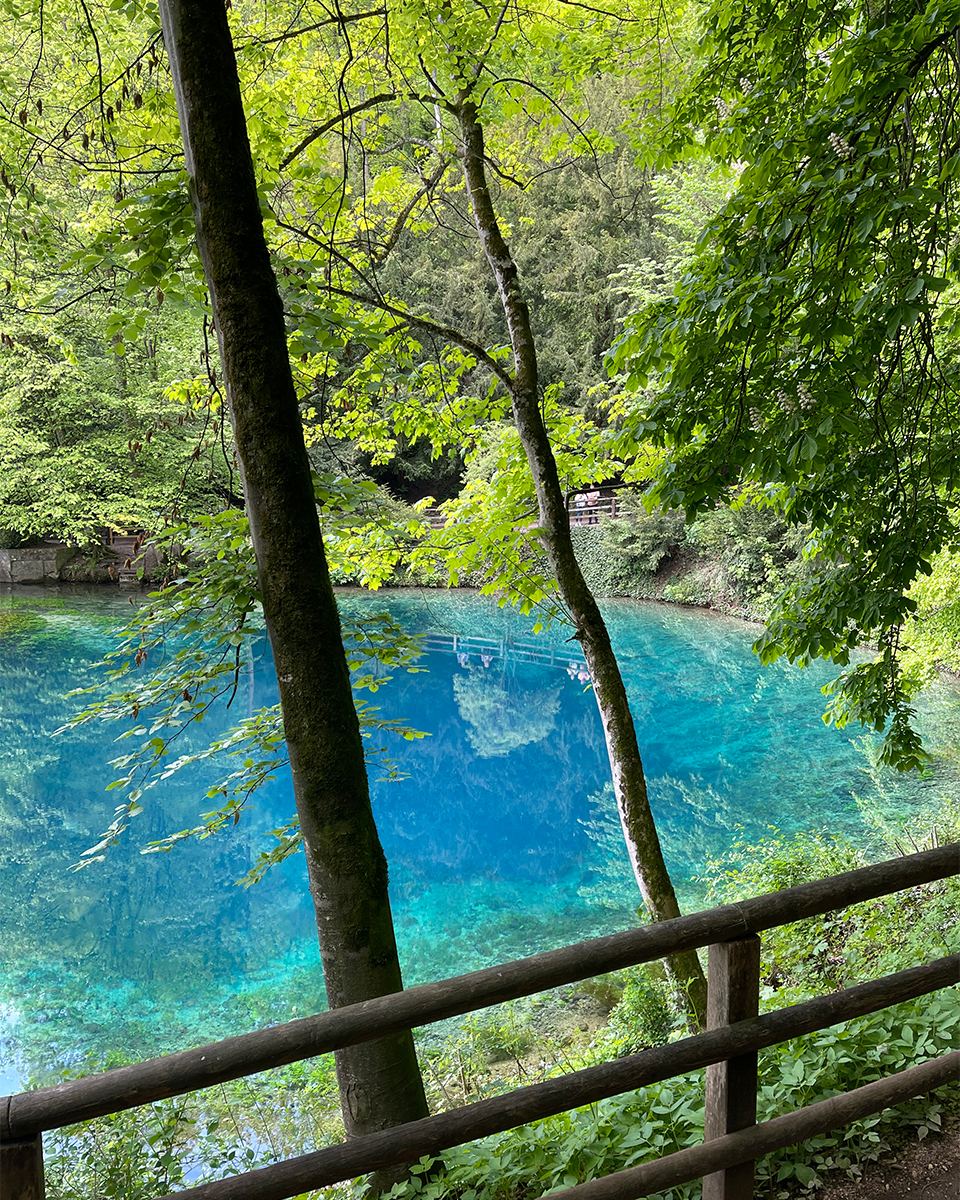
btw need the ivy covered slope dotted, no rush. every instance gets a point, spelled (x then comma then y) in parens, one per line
(740, 558)
(810, 349)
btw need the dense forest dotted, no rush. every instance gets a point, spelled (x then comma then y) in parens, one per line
(306, 295)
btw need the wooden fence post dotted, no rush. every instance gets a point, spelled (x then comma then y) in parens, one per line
(21, 1169)
(733, 994)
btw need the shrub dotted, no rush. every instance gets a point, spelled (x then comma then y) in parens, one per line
(756, 547)
(12, 539)
(844, 947)
(648, 538)
(644, 1017)
(657, 1120)
(691, 589)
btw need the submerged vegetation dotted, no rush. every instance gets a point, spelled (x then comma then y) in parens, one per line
(292, 1110)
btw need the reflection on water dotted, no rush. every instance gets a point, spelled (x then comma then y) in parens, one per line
(503, 712)
(502, 840)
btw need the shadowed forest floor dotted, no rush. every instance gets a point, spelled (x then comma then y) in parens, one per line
(928, 1170)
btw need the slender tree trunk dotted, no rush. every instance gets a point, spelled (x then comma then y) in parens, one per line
(380, 1083)
(629, 784)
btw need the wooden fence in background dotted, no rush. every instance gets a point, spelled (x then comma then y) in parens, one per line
(728, 1051)
(588, 512)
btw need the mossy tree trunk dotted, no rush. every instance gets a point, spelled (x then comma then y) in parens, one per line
(629, 784)
(380, 1083)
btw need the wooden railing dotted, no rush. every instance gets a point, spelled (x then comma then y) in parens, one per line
(580, 510)
(727, 1050)
(585, 510)
(486, 651)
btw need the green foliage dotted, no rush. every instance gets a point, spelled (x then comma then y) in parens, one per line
(743, 554)
(393, 333)
(800, 960)
(848, 1056)
(500, 1036)
(571, 226)
(91, 440)
(644, 1015)
(125, 1156)
(491, 529)
(758, 549)
(931, 634)
(648, 537)
(214, 1134)
(11, 539)
(839, 949)
(686, 198)
(608, 569)
(662, 1118)
(694, 589)
(810, 347)
(263, 1119)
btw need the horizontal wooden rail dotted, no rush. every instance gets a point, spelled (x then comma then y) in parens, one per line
(27, 1113)
(432, 1135)
(758, 1140)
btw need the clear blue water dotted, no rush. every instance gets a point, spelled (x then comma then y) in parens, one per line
(502, 840)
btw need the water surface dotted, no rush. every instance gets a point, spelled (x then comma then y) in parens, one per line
(502, 839)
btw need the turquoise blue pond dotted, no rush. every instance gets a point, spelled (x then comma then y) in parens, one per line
(502, 840)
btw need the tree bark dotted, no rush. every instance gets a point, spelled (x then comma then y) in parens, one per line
(629, 784)
(380, 1083)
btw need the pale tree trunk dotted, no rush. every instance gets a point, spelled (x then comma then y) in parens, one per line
(380, 1082)
(626, 766)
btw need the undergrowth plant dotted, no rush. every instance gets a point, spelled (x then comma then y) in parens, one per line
(840, 948)
(187, 1140)
(660, 1119)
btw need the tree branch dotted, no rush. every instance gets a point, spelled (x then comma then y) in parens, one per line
(382, 255)
(292, 33)
(444, 331)
(380, 98)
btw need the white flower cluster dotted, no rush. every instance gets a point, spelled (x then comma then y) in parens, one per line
(756, 418)
(805, 403)
(745, 85)
(841, 147)
(722, 107)
(787, 403)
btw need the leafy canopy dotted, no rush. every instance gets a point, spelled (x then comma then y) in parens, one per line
(810, 348)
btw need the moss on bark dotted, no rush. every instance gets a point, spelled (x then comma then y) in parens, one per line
(380, 1083)
(623, 750)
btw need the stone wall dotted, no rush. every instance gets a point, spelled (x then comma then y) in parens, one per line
(29, 565)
